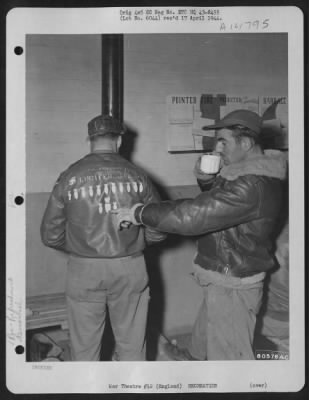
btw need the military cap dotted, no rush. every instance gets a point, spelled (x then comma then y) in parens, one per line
(103, 124)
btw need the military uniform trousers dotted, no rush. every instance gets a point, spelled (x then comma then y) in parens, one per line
(121, 285)
(225, 324)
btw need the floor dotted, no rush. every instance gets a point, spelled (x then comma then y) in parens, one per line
(53, 345)
(260, 343)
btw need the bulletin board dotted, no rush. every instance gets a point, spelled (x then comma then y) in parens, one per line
(188, 114)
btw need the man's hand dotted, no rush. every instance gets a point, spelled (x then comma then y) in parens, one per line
(124, 225)
(199, 174)
(125, 216)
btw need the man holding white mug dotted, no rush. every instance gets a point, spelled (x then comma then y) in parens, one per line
(234, 218)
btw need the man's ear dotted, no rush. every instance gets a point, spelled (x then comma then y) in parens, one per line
(246, 143)
(91, 145)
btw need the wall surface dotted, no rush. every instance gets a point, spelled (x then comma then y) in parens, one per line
(160, 65)
(63, 92)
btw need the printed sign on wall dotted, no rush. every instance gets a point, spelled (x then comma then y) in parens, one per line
(188, 114)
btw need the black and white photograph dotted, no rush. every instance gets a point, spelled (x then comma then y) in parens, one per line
(155, 200)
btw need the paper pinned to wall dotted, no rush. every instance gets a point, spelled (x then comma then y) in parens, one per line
(279, 112)
(180, 137)
(251, 103)
(180, 113)
(239, 102)
(199, 123)
(274, 110)
(198, 142)
(188, 114)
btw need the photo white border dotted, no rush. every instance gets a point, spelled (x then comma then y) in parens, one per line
(85, 377)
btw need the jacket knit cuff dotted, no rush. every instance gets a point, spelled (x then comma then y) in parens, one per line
(137, 213)
(135, 210)
(201, 176)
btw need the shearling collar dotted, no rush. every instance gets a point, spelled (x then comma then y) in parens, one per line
(272, 163)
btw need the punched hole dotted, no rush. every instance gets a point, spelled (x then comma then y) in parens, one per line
(18, 50)
(19, 200)
(19, 349)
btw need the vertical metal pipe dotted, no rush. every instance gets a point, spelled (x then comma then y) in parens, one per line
(120, 77)
(112, 76)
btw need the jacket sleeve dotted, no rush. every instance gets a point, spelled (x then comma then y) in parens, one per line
(206, 185)
(54, 221)
(214, 210)
(152, 235)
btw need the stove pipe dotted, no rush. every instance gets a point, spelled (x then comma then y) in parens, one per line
(112, 76)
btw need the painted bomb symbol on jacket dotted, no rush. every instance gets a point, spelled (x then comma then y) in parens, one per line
(72, 181)
(98, 190)
(108, 207)
(105, 190)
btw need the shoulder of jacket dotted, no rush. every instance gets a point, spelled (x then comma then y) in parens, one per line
(70, 170)
(258, 185)
(255, 180)
(76, 164)
(246, 186)
(136, 169)
(249, 180)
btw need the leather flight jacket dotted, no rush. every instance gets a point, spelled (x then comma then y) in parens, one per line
(234, 220)
(77, 218)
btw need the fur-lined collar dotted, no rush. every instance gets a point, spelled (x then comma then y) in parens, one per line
(272, 163)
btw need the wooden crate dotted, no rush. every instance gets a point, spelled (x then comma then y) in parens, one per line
(46, 311)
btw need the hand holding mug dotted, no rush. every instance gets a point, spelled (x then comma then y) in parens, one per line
(210, 163)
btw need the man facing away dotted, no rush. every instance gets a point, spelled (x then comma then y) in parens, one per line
(234, 218)
(106, 266)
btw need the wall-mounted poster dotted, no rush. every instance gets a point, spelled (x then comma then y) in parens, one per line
(274, 110)
(188, 114)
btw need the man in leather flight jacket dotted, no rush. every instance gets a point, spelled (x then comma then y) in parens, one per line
(106, 266)
(233, 220)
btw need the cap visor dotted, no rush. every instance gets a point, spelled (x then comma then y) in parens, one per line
(215, 126)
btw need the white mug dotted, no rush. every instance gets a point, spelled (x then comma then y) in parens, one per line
(210, 163)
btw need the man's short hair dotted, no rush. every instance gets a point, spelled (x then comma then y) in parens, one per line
(240, 131)
(109, 136)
